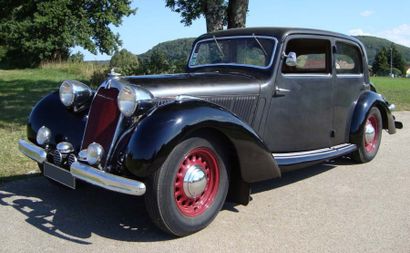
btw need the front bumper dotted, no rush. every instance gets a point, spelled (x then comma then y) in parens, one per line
(87, 173)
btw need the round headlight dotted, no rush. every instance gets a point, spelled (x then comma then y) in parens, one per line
(127, 101)
(67, 94)
(74, 93)
(43, 135)
(94, 153)
(129, 98)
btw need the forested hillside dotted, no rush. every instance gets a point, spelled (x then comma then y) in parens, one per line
(374, 44)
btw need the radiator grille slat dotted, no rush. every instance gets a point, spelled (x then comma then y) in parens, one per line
(102, 119)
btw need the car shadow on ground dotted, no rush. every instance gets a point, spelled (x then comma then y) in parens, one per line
(300, 174)
(76, 215)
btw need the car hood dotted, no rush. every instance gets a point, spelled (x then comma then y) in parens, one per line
(197, 84)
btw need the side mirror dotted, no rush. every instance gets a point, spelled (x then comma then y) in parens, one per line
(291, 59)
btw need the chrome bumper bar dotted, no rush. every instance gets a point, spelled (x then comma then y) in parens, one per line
(106, 180)
(87, 173)
(32, 151)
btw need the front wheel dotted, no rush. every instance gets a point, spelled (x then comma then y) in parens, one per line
(188, 191)
(370, 137)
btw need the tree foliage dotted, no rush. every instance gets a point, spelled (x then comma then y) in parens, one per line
(386, 57)
(46, 30)
(124, 61)
(374, 45)
(216, 12)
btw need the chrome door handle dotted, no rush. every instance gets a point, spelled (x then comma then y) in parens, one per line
(280, 92)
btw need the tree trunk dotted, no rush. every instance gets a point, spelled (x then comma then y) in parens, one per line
(237, 10)
(214, 14)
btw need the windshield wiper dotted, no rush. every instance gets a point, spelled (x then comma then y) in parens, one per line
(219, 48)
(260, 44)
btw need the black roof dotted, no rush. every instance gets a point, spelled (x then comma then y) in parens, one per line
(277, 32)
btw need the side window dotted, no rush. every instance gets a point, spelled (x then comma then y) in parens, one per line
(313, 56)
(348, 59)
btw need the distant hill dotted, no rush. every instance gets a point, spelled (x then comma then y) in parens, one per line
(179, 49)
(173, 49)
(374, 44)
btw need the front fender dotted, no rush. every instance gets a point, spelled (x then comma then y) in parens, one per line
(161, 130)
(65, 125)
(366, 101)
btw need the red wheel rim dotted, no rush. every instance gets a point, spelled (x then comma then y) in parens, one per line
(205, 159)
(371, 144)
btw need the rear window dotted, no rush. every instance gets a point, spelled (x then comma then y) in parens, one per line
(348, 59)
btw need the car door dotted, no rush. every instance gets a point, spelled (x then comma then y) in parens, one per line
(348, 84)
(300, 112)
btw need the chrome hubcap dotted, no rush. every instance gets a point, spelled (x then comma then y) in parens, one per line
(370, 132)
(194, 181)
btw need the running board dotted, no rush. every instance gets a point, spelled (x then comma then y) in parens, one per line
(285, 159)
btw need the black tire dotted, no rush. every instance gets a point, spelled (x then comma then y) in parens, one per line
(162, 203)
(367, 150)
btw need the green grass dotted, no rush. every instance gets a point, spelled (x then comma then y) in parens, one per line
(395, 90)
(21, 89)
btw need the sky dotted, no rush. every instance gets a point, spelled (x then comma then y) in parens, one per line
(154, 23)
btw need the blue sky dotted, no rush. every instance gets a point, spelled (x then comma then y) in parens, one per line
(154, 23)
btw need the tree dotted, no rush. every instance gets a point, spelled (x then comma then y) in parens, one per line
(46, 30)
(217, 13)
(386, 57)
(125, 61)
(398, 61)
(237, 10)
(380, 64)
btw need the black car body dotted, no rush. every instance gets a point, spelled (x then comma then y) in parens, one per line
(253, 104)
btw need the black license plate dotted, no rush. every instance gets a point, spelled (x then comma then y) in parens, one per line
(59, 174)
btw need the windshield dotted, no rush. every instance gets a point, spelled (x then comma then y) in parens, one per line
(255, 51)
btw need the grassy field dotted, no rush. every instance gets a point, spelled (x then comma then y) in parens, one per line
(21, 89)
(396, 91)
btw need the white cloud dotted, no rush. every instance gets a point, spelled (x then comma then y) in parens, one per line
(358, 32)
(366, 13)
(399, 34)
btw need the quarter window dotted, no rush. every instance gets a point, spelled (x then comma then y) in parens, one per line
(348, 59)
(313, 56)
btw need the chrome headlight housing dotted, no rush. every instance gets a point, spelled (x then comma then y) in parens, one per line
(129, 98)
(74, 93)
(43, 136)
(95, 153)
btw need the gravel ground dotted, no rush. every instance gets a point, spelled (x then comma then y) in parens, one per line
(334, 207)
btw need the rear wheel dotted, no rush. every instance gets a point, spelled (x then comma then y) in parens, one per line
(188, 191)
(370, 137)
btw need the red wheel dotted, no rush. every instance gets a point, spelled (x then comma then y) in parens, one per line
(187, 192)
(371, 133)
(197, 181)
(370, 137)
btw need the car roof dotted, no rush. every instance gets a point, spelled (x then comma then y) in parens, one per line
(278, 32)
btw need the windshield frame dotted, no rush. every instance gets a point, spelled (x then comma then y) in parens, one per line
(253, 36)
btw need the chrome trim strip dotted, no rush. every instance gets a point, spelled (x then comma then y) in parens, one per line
(307, 75)
(118, 130)
(106, 180)
(350, 75)
(233, 64)
(32, 151)
(314, 155)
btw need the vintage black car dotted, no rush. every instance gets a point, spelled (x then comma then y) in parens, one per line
(253, 104)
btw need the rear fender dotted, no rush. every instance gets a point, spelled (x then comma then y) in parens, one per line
(162, 129)
(366, 101)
